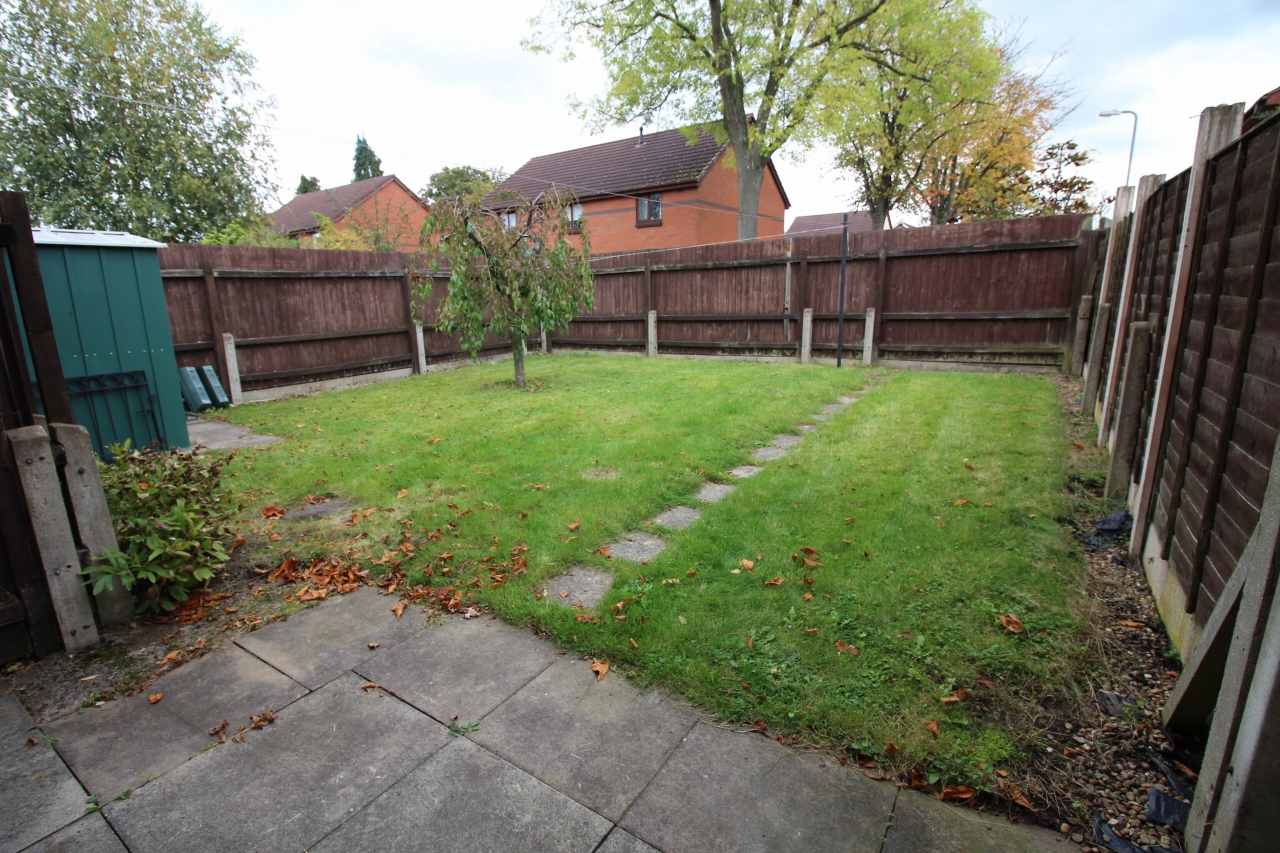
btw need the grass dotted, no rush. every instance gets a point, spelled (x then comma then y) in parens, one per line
(932, 508)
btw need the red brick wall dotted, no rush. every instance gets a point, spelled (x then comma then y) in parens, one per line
(393, 208)
(690, 217)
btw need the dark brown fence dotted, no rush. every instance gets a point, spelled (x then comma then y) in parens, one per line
(1225, 413)
(989, 292)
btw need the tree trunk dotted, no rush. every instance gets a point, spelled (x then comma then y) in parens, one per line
(750, 179)
(879, 214)
(517, 356)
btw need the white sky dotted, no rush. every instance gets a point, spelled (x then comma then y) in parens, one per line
(432, 84)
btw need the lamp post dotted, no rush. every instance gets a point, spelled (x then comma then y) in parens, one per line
(1133, 139)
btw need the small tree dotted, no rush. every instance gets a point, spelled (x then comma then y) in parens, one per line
(461, 181)
(308, 185)
(367, 164)
(512, 272)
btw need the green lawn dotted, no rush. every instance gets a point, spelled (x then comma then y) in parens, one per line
(930, 507)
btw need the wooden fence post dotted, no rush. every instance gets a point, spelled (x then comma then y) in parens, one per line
(1147, 184)
(868, 336)
(1218, 127)
(1082, 334)
(1120, 471)
(215, 320)
(232, 362)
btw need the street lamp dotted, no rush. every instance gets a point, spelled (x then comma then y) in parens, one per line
(1132, 139)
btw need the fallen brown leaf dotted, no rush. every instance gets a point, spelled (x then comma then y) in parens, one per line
(873, 776)
(812, 632)
(1128, 623)
(272, 512)
(435, 440)
(749, 565)
(932, 725)
(401, 493)
(600, 668)
(633, 643)
(1011, 623)
(398, 609)
(370, 685)
(153, 698)
(32, 741)
(774, 582)
(374, 645)
(957, 792)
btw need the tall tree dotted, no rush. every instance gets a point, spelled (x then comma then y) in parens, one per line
(466, 182)
(750, 71)
(132, 115)
(511, 273)
(367, 164)
(887, 119)
(308, 185)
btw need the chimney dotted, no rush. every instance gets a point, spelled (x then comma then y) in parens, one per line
(641, 142)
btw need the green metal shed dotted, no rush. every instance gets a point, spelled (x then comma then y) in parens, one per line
(107, 302)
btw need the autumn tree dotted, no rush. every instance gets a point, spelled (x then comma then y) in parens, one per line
(367, 164)
(308, 185)
(129, 115)
(511, 272)
(752, 72)
(466, 182)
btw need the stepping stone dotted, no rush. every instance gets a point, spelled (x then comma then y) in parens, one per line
(806, 427)
(742, 472)
(311, 512)
(847, 400)
(678, 517)
(465, 798)
(713, 795)
(466, 667)
(833, 408)
(637, 547)
(40, 794)
(221, 435)
(768, 454)
(786, 440)
(584, 584)
(319, 644)
(714, 492)
(821, 417)
(599, 742)
(326, 757)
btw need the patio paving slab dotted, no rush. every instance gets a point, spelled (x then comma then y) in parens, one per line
(741, 793)
(599, 742)
(833, 407)
(742, 472)
(318, 645)
(714, 492)
(327, 755)
(768, 454)
(584, 585)
(621, 841)
(467, 800)
(806, 427)
(89, 834)
(922, 824)
(466, 667)
(221, 435)
(112, 747)
(820, 417)
(847, 400)
(229, 684)
(786, 440)
(678, 517)
(40, 795)
(637, 547)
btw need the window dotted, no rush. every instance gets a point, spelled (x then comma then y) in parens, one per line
(574, 212)
(509, 218)
(649, 210)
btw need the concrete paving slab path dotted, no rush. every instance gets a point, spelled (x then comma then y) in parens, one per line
(221, 435)
(328, 755)
(847, 400)
(806, 427)
(637, 547)
(678, 517)
(820, 417)
(785, 440)
(714, 492)
(313, 649)
(464, 668)
(768, 454)
(467, 800)
(89, 834)
(833, 407)
(231, 686)
(599, 742)
(38, 795)
(742, 472)
(621, 841)
(922, 824)
(581, 586)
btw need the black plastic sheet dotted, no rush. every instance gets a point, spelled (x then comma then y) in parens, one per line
(1108, 529)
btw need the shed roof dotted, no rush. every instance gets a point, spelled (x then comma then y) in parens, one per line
(829, 223)
(299, 214)
(78, 237)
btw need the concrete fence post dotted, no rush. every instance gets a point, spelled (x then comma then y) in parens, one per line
(1120, 471)
(806, 336)
(1082, 335)
(92, 518)
(869, 337)
(233, 368)
(1093, 372)
(651, 346)
(33, 457)
(421, 352)
(542, 337)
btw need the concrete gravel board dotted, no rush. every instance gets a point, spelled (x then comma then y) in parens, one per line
(40, 796)
(922, 824)
(112, 747)
(723, 792)
(584, 585)
(714, 492)
(317, 645)
(467, 800)
(229, 684)
(678, 517)
(466, 667)
(89, 834)
(637, 547)
(327, 755)
(599, 742)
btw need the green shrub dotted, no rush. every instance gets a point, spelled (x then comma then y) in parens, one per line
(170, 519)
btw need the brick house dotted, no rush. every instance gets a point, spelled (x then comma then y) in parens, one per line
(829, 223)
(383, 204)
(655, 191)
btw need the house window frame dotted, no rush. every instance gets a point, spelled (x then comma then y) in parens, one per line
(646, 201)
(509, 218)
(575, 224)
